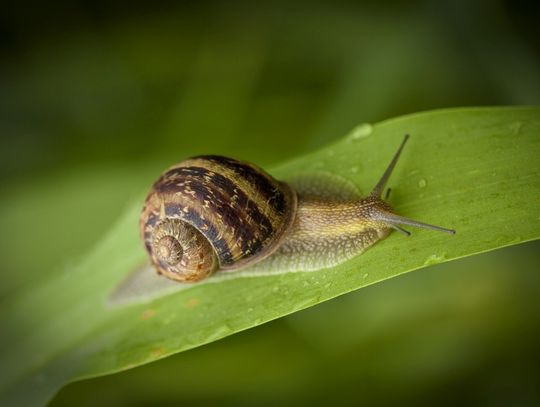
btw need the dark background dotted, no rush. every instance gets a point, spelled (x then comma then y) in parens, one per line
(98, 97)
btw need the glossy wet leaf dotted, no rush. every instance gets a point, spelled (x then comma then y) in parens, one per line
(475, 170)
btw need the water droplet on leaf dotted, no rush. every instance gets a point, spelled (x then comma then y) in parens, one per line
(361, 131)
(435, 259)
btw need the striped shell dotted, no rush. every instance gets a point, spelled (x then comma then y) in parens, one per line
(212, 212)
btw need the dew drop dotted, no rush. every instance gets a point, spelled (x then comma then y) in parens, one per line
(361, 131)
(422, 183)
(435, 259)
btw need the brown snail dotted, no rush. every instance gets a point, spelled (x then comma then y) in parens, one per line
(212, 213)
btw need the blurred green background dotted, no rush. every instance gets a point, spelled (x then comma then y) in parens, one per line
(97, 98)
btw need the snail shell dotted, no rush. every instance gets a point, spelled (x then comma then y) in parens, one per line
(212, 213)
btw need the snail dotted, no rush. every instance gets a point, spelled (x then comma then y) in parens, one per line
(212, 213)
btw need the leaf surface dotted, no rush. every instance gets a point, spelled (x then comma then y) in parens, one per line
(475, 170)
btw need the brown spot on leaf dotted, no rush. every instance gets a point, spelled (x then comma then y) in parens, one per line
(191, 303)
(157, 352)
(149, 313)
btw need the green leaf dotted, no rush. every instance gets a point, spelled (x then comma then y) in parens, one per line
(475, 170)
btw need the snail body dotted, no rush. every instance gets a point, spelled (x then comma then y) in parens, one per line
(213, 213)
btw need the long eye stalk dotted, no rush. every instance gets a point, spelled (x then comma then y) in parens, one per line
(377, 191)
(395, 220)
(391, 218)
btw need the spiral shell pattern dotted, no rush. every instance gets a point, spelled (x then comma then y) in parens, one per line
(233, 212)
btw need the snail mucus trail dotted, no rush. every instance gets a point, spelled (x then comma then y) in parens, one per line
(212, 213)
